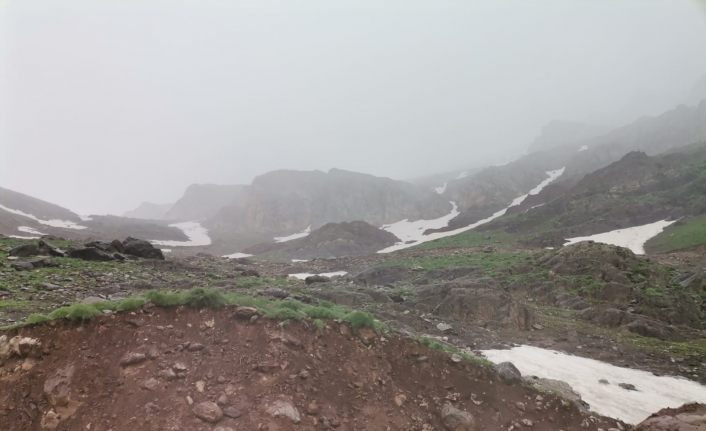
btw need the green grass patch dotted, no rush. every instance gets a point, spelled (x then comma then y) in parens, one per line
(450, 349)
(681, 235)
(205, 298)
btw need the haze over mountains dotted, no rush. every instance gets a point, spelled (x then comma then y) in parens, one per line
(284, 203)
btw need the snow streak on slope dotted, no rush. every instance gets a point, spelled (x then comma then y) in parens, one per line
(304, 275)
(633, 238)
(294, 236)
(582, 374)
(442, 188)
(34, 234)
(197, 234)
(65, 224)
(237, 255)
(411, 233)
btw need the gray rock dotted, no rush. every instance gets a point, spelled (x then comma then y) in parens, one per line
(282, 408)
(208, 411)
(132, 358)
(457, 420)
(508, 372)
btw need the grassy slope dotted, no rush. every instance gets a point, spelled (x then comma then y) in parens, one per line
(682, 235)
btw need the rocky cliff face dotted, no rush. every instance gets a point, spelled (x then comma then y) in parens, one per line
(202, 201)
(149, 211)
(285, 202)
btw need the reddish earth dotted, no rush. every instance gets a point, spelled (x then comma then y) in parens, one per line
(143, 371)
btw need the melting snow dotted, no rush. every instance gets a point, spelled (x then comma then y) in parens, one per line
(462, 175)
(653, 392)
(411, 233)
(299, 260)
(583, 148)
(304, 275)
(633, 238)
(197, 234)
(65, 224)
(442, 188)
(294, 236)
(237, 255)
(35, 234)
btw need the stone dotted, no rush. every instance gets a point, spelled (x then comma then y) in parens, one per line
(24, 250)
(508, 372)
(444, 327)
(316, 279)
(244, 313)
(232, 412)
(22, 266)
(627, 386)
(91, 254)
(282, 408)
(57, 388)
(132, 358)
(141, 248)
(150, 384)
(208, 411)
(457, 420)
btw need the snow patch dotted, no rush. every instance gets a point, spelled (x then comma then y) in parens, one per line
(294, 236)
(299, 260)
(411, 233)
(237, 255)
(633, 238)
(442, 188)
(166, 250)
(583, 374)
(583, 148)
(304, 275)
(64, 224)
(462, 175)
(197, 234)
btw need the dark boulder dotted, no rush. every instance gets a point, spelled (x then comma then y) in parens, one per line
(508, 372)
(25, 250)
(90, 253)
(316, 279)
(141, 248)
(22, 266)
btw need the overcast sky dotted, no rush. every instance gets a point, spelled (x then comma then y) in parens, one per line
(104, 104)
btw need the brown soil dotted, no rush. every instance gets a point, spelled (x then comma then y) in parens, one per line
(330, 376)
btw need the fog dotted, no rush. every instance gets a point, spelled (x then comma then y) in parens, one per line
(104, 104)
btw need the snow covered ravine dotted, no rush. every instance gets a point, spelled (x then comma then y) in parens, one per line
(411, 233)
(197, 234)
(65, 224)
(304, 275)
(294, 236)
(583, 374)
(633, 238)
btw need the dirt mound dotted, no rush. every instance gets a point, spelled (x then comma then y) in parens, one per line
(178, 369)
(691, 417)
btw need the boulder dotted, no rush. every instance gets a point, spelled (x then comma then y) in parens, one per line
(457, 420)
(559, 388)
(382, 276)
(508, 372)
(90, 253)
(285, 409)
(24, 250)
(316, 279)
(208, 411)
(22, 266)
(141, 248)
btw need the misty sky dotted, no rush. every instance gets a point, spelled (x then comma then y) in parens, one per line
(104, 104)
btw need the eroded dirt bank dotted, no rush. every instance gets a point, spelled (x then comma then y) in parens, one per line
(185, 369)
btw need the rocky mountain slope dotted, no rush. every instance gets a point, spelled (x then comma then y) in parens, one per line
(202, 201)
(149, 211)
(570, 134)
(356, 238)
(491, 189)
(286, 202)
(636, 190)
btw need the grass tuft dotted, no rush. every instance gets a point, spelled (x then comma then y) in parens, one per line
(205, 298)
(360, 319)
(165, 298)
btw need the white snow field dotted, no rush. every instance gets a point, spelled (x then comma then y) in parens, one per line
(304, 275)
(583, 374)
(411, 233)
(583, 148)
(197, 234)
(294, 236)
(633, 238)
(237, 255)
(65, 224)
